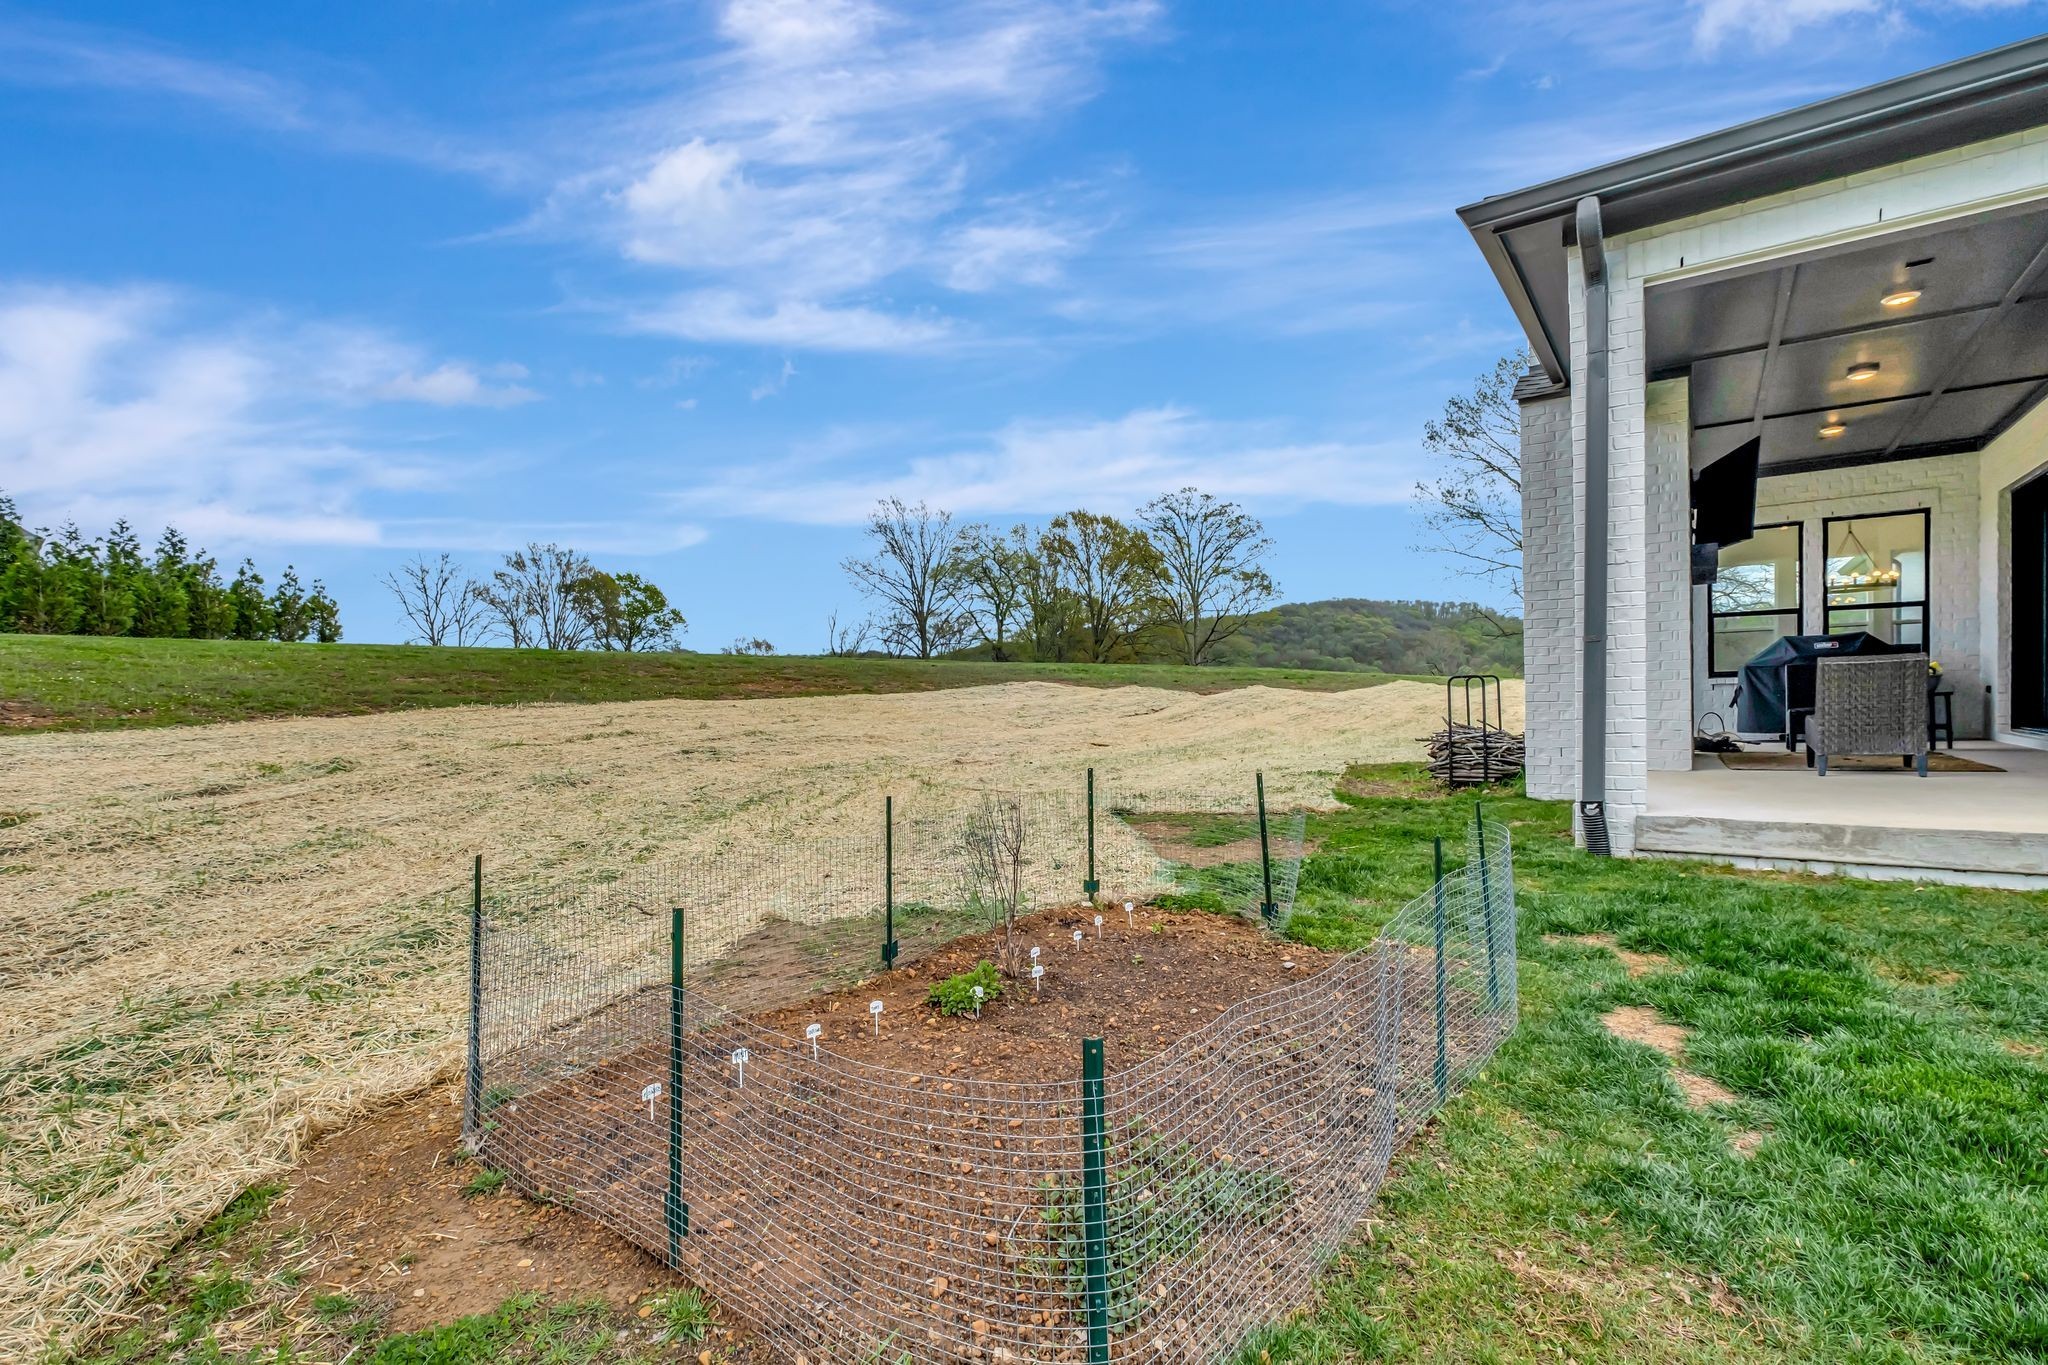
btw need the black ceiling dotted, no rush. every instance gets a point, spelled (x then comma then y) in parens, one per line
(1774, 345)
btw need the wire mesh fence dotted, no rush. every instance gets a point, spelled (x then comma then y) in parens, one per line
(853, 1211)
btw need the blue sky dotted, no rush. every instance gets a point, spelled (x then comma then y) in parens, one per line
(688, 286)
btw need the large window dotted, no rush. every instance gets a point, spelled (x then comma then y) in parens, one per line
(1877, 576)
(1755, 597)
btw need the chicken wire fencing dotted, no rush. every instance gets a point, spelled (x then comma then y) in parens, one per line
(620, 1065)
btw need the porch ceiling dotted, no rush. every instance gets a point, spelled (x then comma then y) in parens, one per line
(1770, 349)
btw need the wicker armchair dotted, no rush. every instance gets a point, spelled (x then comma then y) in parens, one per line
(1869, 705)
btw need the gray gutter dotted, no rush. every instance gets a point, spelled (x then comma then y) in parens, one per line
(1593, 569)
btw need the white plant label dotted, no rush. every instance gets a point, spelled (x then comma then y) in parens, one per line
(739, 1059)
(1098, 926)
(1077, 938)
(1036, 972)
(1128, 907)
(651, 1092)
(875, 1008)
(977, 1002)
(812, 1032)
(1034, 957)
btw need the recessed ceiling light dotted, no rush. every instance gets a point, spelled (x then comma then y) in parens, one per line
(1864, 369)
(1832, 430)
(1899, 298)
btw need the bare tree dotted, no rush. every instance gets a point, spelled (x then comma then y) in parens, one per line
(921, 612)
(845, 641)
(437, 599)
(992, 573)
(1474, 504)
(1210, 574)
(994, 842)
(537, 598)
(1110, 568)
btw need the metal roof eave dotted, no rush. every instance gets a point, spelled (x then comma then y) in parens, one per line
(1979, 97)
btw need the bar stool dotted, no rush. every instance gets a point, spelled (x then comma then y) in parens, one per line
(1941, 717)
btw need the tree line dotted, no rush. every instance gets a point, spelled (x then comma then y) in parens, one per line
(62, 583)
(540, 597)
(1174, 583)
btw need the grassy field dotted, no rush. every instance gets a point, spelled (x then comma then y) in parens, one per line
(70, 682)
(1873, 1187)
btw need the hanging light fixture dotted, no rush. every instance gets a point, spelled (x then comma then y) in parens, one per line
(1864, 369)
(1832, 430)
(1899, 298)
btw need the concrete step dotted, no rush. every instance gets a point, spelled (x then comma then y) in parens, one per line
(1978, 856)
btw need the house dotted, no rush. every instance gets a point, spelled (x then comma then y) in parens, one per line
(1861, 285)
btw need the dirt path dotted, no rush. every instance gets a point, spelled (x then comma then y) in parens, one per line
(216, 941)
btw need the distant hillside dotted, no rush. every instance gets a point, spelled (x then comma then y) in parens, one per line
(1362, 634)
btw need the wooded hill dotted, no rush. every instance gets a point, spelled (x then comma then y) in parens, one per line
(1361, 633)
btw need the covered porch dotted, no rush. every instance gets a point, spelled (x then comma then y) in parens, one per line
(1789, 392)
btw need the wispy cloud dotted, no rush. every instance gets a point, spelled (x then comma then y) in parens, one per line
(132, 401)
(1039, 467)
(51, 54)
(824, 150)
(769, 387)
(735, 317)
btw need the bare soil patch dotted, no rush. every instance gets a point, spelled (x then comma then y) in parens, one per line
(1641, 1024)
(1138, 987)
(1637, 964)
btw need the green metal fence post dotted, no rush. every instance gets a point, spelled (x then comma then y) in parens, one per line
(473, 1080)
(677, 1212)
(1443, 1000)
(1268, 910)
(1091, 886)
(1095, 1199)
(889, 947)
(1486, 910)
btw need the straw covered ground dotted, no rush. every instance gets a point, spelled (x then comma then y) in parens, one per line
(216, 941)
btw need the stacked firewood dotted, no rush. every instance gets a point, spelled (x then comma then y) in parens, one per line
(1467, 755)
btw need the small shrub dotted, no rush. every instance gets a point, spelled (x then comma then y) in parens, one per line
(1191, 900)
(955, 995)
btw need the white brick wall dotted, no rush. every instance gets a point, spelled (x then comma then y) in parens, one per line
(1550, 642)
(1668, 551)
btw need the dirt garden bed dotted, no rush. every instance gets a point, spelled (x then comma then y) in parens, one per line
(914, 1187)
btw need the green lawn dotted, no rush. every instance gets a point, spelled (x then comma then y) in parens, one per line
(72, 682)
(1884, 1040)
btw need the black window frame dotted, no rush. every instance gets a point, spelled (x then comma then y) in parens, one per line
(1925, 602)
(1797, 610)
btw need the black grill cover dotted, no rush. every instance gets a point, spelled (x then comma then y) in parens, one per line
(1787, 666)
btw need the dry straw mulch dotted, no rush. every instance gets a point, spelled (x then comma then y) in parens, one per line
(216, 941)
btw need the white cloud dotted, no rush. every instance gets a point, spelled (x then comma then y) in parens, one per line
(1029, 468)
(717, 315)
(454, 385)
(828, 148)
(133, 402)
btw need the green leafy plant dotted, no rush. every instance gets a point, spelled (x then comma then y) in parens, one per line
(955, 995)
(485, 1181)
(684, 1315)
